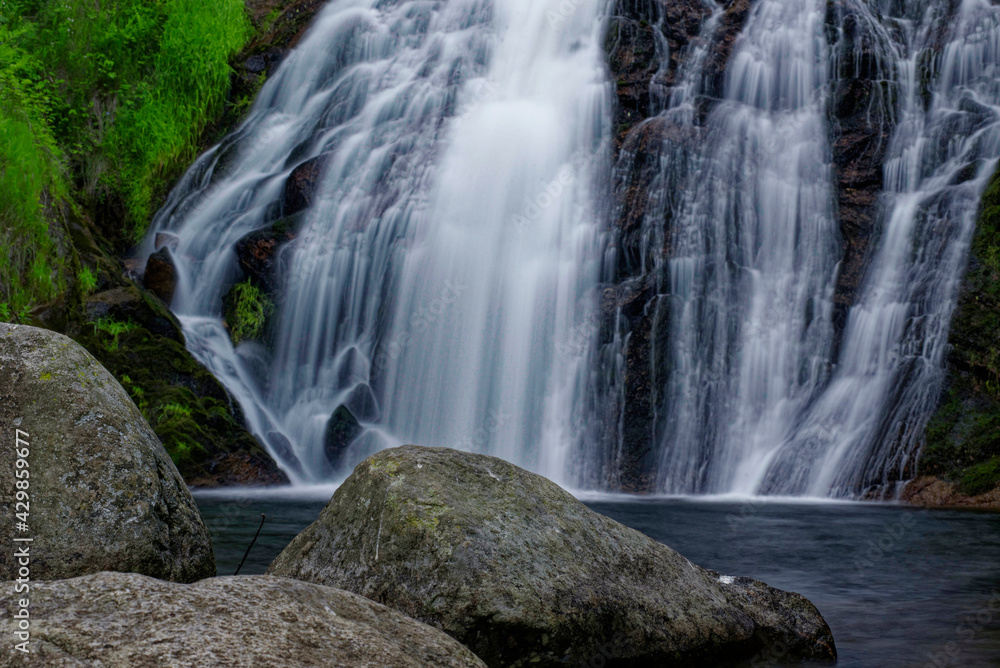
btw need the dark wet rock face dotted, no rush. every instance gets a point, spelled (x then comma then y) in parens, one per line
(257, 253)
(104, 494)
(962, 441)
(301, 186)
(649, 44)
(341, 430)
(523, 574)
(652, 46)
(187, 407)
(128, 621)
(160, 277)
(728, 29)
(863, 106)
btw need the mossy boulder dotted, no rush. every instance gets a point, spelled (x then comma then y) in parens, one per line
(522, 573)
(139, 341)
(103, 492)
(113, 619)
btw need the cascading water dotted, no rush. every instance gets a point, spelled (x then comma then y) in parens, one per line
(863, 430)
(761, 396)
(443, 284)
(434, 287)
(754, 252)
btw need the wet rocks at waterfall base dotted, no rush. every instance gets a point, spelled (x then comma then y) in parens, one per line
(160, 276)
(126, 621)
(104, 494)
(523, 574)
(341, 430)
(188, 408)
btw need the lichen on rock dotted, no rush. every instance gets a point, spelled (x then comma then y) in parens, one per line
(113, 619)
(104, 494)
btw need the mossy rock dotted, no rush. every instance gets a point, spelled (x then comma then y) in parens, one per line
(247, 311)
(190, 411)
(962, 440)
(515, 568)
(104, 495)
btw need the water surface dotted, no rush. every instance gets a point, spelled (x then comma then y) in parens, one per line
(898, 586)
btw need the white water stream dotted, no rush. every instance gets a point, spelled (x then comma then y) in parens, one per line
(443, 284)
(435, 286)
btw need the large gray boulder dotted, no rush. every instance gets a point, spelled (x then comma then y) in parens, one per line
(132, 621)
(104, 495)
(523, 574)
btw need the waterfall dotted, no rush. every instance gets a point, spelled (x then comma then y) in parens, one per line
(863, 431)
(439, 284)
(763, 393)
(457, 278)
(754, 247)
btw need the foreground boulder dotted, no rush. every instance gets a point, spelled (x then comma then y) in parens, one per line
(103, 494)
(115, 619)
(523, 574)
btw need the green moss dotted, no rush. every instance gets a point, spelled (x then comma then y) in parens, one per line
(86, 281)
(963, 437)
(247, 311)
(185, 405)
(980, 478)
(388, 465)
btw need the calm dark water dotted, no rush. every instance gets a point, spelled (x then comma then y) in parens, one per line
(898, 586)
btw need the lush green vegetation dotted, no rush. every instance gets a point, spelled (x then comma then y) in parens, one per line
(247, 310)
(963, 437)
(114, 328)
(101, 105)
(30, 175)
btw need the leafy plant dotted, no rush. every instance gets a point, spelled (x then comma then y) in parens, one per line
(86, 280)
(248, 312)
(113, 327)
(116, 93)
(30, 176)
